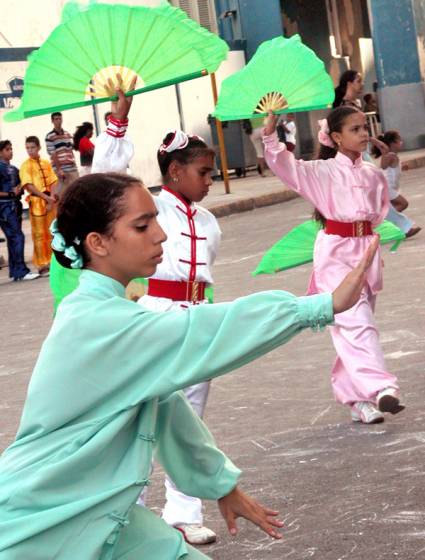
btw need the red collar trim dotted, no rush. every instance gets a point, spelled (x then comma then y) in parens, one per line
(187, 204)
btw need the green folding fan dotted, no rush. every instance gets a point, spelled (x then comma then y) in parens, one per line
(296, 247)
(101, 45)
(283, 76)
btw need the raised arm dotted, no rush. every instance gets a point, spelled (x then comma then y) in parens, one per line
(301, 176)
(113, 150)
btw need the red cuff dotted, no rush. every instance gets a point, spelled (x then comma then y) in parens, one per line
(117, 122)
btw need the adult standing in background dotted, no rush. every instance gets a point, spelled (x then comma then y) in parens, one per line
(348, 92)
(253, 128)
(10, 220)
(59, 145)
(349, 89)
(289, 136)
(85, 146)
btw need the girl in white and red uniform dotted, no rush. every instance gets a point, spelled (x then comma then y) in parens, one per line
(193, 237)
(193, 234)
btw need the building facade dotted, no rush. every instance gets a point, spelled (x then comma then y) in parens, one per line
(382, 39)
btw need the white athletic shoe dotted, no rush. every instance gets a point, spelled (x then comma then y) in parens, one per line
(29, 276)
(366, 412)
(195, 533)
(389, 401)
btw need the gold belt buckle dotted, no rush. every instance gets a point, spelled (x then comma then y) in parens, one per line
(359, 228)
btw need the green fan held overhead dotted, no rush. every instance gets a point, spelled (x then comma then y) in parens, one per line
(101, 46)
(283, 76)
(296, 247)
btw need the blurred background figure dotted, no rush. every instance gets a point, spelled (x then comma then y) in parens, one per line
(59, 146)
(349, 89)
(85, 146)
(390, 164)
(39, 179)
(11, 215)
(253, 128)
(287, 131)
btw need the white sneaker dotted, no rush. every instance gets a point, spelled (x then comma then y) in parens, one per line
(30, 276)
(366, 412)
(195, 533)
(389, 401)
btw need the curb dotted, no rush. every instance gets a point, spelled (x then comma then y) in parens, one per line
(413, 163)
(252, 203)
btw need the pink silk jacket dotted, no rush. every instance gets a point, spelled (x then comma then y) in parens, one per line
(343, 191)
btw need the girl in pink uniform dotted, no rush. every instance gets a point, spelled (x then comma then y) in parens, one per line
(351, 196)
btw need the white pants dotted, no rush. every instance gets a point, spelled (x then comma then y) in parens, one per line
(179, 508)
(399, 219)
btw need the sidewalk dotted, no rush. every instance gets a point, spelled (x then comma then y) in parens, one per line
(254, 191)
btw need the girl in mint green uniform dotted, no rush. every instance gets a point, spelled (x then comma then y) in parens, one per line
(104, 394)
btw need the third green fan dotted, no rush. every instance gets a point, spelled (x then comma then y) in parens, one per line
(283, 76)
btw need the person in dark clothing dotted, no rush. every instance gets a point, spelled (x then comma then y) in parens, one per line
(11, 214)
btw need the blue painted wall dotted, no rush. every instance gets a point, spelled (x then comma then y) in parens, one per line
(394, 38)
(255, 21)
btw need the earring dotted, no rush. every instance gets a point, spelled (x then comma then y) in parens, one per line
(175, 179)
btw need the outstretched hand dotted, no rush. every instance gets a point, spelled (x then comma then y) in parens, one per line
(348, 292)
(121, 108)
(238, 504)
(270, 123)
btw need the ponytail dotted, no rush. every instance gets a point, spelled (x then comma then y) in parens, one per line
(341, 89)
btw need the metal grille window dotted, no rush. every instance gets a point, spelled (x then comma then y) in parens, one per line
(202, 11)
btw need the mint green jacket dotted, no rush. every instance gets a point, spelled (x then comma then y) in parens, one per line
(104, 398)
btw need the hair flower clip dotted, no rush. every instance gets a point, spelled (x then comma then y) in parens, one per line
(59, 244)
(324, 136)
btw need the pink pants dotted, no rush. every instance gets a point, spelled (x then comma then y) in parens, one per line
(359, 372)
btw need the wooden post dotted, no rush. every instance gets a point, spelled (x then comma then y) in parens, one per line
(220, 137)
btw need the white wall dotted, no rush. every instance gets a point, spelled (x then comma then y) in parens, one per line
(27, 23)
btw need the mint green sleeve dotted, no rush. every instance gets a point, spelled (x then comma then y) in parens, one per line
(207, 341)
(186, 449)
(122, 355)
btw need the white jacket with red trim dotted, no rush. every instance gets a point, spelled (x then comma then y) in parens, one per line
(193, 239)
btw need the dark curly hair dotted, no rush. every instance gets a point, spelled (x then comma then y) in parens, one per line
(4, 144)
(80, 133)
(92, 203)
(194, 149)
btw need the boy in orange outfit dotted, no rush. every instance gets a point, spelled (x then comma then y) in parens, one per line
(39, 179)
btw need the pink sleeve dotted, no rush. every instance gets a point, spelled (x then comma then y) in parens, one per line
(385, 198)
(300, 176)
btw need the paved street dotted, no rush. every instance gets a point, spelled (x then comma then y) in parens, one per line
(344, 491)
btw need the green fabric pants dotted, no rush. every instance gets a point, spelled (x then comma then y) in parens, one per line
(150, 538)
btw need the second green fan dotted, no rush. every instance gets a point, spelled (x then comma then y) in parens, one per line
(283, 76)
